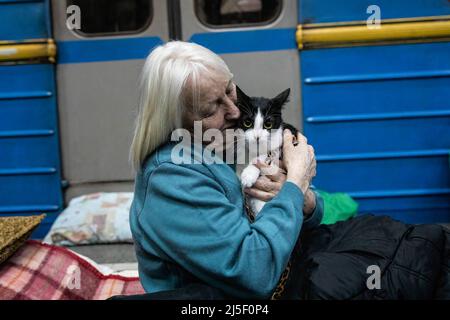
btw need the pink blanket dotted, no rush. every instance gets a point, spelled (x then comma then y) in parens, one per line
(39, 271)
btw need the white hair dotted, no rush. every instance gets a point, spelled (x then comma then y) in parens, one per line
(163, 78)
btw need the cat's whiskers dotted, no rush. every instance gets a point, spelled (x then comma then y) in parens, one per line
(245, 107)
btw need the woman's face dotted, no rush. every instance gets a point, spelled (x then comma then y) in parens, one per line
(217, 103)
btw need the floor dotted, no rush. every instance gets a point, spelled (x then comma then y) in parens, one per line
(107, 253)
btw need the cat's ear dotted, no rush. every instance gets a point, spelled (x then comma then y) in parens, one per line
(282, 98)
(241, 96)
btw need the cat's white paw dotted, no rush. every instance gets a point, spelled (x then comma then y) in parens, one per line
(249, 176)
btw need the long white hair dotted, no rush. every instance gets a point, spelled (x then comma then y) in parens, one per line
(162, 107)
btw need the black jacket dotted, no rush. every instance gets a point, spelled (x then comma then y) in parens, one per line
(333, 262)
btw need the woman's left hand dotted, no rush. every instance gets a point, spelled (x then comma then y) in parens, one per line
(268, 185)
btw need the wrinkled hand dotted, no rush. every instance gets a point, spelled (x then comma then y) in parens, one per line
(309, 203)
(268, 185)
(299, 160)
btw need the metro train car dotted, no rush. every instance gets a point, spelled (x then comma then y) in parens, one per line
(369, 80)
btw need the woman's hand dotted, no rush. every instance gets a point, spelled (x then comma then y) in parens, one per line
(299, 160)
(309, 203)
(268, 185)
(303, 169)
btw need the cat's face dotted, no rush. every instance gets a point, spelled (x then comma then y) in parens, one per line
(261, 118)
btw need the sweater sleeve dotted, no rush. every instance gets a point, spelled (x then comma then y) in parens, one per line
(187, 215)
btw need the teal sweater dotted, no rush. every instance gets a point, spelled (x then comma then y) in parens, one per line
(188, 223)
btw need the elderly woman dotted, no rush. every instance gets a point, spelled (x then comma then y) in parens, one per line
(188, 220)
(191, 228)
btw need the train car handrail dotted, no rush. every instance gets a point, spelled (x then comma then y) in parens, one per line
(357, 33)
(28, 51)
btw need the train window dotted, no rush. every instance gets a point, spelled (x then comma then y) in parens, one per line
(239, 13)
(106, 17)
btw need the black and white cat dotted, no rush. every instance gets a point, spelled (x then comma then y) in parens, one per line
(262, 125)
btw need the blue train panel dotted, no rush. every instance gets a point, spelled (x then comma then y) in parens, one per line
(347, 99)
(38, 187)
(390, 176)
(323, 11)
(383, 62)
(428, 136)
(28, 151)
(379, 119)
(418, 209)
(24, 20)
(30, 177)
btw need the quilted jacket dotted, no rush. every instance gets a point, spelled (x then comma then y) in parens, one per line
(343, 260)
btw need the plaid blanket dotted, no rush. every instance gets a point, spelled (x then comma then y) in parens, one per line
(39, 271)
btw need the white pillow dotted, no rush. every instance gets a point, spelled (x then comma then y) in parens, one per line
(92, 219)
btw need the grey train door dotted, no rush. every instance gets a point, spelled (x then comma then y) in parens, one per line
(97, 75)
(256, 38)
